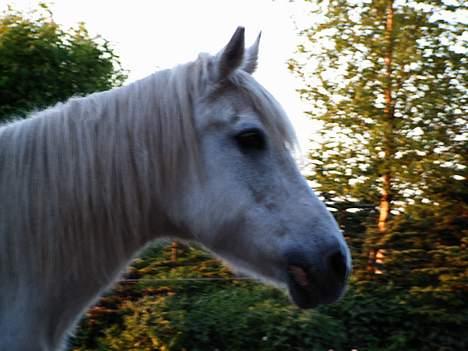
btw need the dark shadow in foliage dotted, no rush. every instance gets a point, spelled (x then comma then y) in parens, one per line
(388, 318)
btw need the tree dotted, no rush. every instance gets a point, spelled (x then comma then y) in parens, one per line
(41, 64)
(387, 79)
(388, 82)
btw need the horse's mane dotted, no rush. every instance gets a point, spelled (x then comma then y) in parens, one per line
(105, 156)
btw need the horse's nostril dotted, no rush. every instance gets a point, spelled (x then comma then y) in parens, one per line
(338, 264)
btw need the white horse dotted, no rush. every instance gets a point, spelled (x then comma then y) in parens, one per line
(200, 153)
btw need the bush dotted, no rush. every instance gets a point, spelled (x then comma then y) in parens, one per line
(238, 315)
(240, 318)
(386, 318)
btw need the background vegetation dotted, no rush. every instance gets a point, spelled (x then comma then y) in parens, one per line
(388, 82)
(42, 64)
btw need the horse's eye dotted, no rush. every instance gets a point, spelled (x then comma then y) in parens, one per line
(252, 139)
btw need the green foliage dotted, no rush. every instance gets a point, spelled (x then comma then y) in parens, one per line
(342, 62)
(427, 250)
(234, 315)
(41, 64)
(387, 318)
(421, 294)
(216, 321)
(164, 313)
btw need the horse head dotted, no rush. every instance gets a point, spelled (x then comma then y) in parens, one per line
(251, 206)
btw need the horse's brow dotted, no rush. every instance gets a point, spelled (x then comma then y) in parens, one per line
(218, 123)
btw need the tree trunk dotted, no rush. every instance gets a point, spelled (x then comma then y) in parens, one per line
(377, 253)
(174, 248)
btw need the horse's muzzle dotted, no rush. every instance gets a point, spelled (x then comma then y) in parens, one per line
(313, 281)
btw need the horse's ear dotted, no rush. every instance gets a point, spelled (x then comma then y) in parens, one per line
(251, 56)
(231, 57)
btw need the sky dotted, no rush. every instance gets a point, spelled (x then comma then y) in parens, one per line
(154, 34)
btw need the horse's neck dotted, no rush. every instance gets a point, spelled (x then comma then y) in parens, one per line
(76, 212)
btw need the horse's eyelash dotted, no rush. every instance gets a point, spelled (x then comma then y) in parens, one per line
(251, 139)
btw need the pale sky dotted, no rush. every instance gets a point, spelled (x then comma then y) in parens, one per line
(154, 34)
